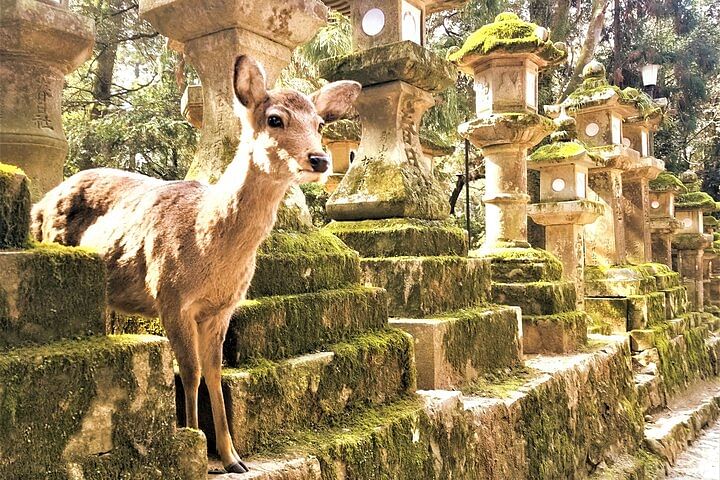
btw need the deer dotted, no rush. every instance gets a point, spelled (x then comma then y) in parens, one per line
(185, 251)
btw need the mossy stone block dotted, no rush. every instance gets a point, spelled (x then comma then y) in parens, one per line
(406, 61)
(291, 262)
(522, 265)
(538, 298)
(268, 401)
(558, 333)
(50, 292)
(288, 325)
(422, 286)
(95, 409)
(683, 357)
(14, 207)
(401, 237)
(676, 302)
(608, 315)
(456, 348)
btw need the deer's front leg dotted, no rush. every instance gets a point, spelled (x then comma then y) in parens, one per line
(184, 342)
(212, 335)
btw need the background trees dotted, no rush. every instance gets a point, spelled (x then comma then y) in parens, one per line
(122, 108)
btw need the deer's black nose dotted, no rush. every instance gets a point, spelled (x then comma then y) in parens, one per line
(319, 162)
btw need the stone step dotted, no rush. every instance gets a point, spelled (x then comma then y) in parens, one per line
(395, 237)
(301, 467)
(35, 306)
(290, 325)
(621, 314)
(457, 347)
(618, 281)
(671, 431)
(293, 262)
(424, 286)
(537, 298)
(270, 400)
(14, 207)
(557, 333)
(522, 265)
(91, 408)
(638, 466)
(651, 394)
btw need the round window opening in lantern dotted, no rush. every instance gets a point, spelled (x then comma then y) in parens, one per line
(687, 222)
(626, 141)
(655, 204)
(373, 22)
(592, 129)
(558, 185)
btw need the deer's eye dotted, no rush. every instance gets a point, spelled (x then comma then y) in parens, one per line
(274, 121)
(320, 127)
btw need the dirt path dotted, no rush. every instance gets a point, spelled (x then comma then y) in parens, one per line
(701, 461)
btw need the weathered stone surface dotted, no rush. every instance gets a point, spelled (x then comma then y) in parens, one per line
(538, 298)
(291, 262)
(268, 402)
(302, 467)
(50, 292)
(556, 333)
(422, 286)
(285, 326)
(620, 281)
(651, 393)
(607, 315)
(41, 43)
(14, 207)
(521, 265)
(91, 409)
(396, 237)
(405, 61)
(457, 347)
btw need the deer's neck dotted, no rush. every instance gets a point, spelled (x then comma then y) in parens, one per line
(241, 207)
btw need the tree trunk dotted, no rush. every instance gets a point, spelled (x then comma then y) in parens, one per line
(597, 19)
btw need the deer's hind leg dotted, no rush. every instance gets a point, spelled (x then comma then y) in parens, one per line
(211, 336)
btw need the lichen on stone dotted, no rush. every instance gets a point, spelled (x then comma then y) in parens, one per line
(696, 201)
(557, 152)
(667, 182)
(14, 207)
(508, 33)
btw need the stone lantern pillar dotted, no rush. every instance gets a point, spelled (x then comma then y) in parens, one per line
(690, 241)
(564, 208)
(663, 223)
(212, 36)
(711, 257)
(637, 132)
(41, 43)
(505, 58)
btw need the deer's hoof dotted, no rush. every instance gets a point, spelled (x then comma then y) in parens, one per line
(237, 467)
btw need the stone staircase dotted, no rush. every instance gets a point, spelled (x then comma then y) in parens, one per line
(74, 402)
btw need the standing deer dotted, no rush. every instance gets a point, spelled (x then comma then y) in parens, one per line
(185, 251)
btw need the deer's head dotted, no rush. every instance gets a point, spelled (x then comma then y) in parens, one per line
(285, 124)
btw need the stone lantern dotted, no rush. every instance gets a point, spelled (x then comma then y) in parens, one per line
(41, 43)
(600, 109)
(341, 139)
(504, 58)
(663, 223)
(711, 258)
(564, 208)
(690, 241)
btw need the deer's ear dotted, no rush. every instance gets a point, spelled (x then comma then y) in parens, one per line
(249, 82)
(334, 99)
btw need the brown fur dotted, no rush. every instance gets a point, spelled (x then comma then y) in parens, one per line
(185, 251)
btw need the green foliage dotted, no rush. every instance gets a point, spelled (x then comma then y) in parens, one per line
(316, 197)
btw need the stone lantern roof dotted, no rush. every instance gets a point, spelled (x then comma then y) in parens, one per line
(508, 34)
(696, 201)
(595, 90)
(667, 182)
(565, 147)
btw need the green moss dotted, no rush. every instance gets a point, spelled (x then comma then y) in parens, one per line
(536, 298)
(710, 221)
(556, 152)
(290, 262)
(14, 207)
(485, 339)
(288, 325)
(682, 358)
(695, 201)
(501, 384)
(48, 391)
(522, 265)
(667, 182)
(689, 241)
(45, 309)
(344, 129)
(401, 237)
(406, 61)
(422, 286)
(508, 33)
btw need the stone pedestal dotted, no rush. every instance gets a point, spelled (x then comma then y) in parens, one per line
(41, 44)
(663, 223)
(605, 239)
(636, 191)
